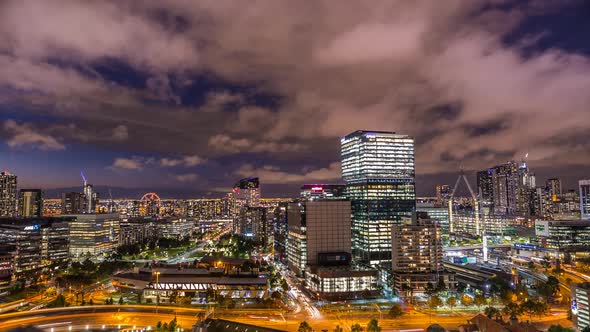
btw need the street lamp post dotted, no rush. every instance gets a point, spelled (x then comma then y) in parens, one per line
(157, 273)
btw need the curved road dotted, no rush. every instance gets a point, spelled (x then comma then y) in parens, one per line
(99, 317)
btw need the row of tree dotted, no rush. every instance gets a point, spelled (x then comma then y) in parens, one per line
(372, 326)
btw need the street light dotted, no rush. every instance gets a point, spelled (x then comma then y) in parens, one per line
(157, 273)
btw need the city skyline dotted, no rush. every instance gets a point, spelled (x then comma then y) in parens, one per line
(213, 108)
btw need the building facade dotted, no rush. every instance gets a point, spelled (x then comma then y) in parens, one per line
(417, 256)
(322, 191)
(315, 228)
(30, 203)
(584, 199)
(563, 234)
(34, 243)
(72, 203)
(8, 194)
(93, 235)
(580, 305)
(378, 169)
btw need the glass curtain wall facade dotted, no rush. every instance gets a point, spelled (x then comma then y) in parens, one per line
(378, 168)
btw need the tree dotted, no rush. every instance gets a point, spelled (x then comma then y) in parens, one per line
(492, 312)
(121, 301)
(285, 285)
(531, 266)
(466, 300)
(546, 263)
(531, 308)
(553, 282)
(559, 328)
(304, 327)
(60, 301)
(373, 326)
(513, 310)
(451, 302)
(435, 302)
(479, 300)
(356, 328)
(395, 311)
(430, 289)
(441, 286)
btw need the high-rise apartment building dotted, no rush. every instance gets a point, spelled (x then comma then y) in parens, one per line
(72, 203)
(554, 187)
(252, 222)
(417, 256)
(505, 185)
(584, 199)
(443, 193)
(484, 185)
(30, 203)
(378, 169)
(90, 202)
(247, 192)
(8, 194)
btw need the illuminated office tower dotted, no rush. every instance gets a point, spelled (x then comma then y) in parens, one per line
(8, 194)
(30, 203)
(585, 199)
(378, 169)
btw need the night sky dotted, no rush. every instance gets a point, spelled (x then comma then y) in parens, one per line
(190, 96)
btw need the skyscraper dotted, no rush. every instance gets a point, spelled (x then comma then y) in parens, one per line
(8, 194)
(504, 187)
(378, 169)
(585, 199)
(247, 192)
(30, 203)
(72, 203)
(90, 198)
(443, 192)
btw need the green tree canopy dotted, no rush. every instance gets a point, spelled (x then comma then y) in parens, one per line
(373, 326)
(396, 311)
(305, 327)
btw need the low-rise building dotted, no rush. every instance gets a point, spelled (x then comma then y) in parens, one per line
(341, 282)
(177, 228)
(137, 231)
(162, 283)
(563, 234)
(93, 235)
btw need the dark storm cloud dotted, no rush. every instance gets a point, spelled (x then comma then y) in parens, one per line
(283, 80)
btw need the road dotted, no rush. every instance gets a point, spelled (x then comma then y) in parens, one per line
(60, 319)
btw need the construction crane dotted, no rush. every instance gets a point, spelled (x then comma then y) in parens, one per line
(475, 210)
